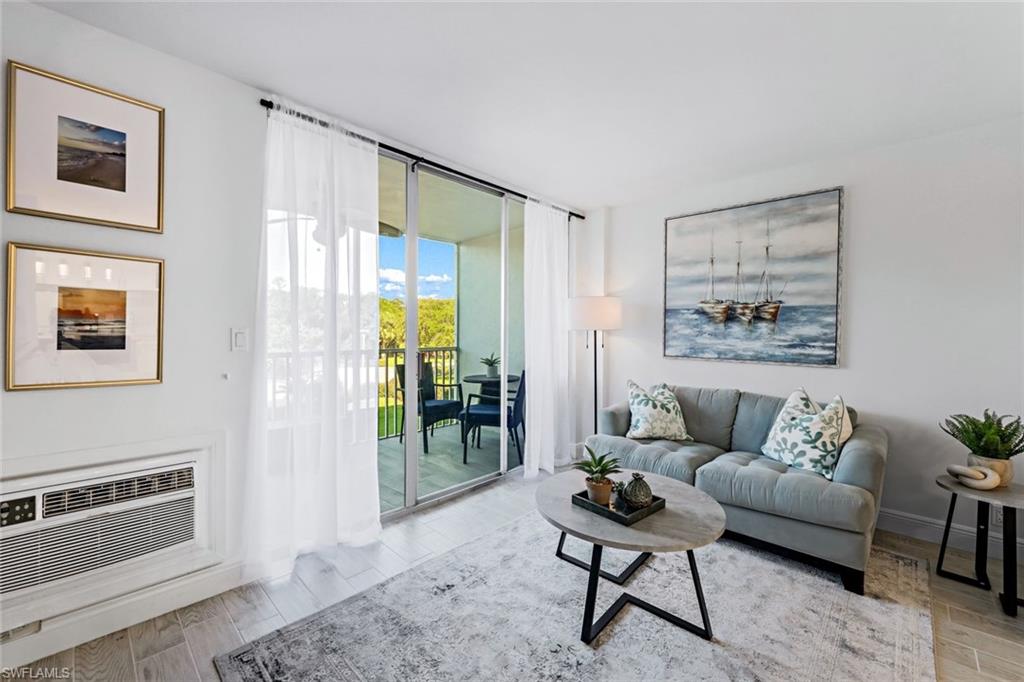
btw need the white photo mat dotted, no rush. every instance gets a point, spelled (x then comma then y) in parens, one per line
(37, 100)
(35, 277)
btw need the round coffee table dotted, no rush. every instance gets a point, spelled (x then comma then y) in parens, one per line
(1010, 498)
(690, 519)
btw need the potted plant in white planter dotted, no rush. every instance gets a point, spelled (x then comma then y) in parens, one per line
(491, 362)
(598, 468)
(992, 441)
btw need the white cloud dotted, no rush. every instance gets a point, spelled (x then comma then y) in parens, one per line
(393, 275)
(436, 279)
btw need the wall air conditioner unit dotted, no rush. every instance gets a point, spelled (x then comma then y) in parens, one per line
(77, 526)
(82, 537)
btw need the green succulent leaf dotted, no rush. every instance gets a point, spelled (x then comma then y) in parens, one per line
(598, 467)
(990, 436)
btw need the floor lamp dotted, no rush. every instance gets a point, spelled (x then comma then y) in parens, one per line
(595, 314)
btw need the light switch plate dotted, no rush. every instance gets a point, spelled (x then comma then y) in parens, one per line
(239, 339)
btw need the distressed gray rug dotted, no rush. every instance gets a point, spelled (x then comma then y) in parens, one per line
(504, 608)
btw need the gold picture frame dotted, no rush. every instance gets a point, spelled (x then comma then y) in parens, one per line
(30, 346)
(15, 68)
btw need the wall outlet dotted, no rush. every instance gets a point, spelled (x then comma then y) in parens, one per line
(997, 517)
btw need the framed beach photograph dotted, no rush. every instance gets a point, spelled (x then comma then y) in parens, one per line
(79, 152)
(757, 282)
(82, 318)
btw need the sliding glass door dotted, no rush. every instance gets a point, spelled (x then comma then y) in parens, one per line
(451, 326)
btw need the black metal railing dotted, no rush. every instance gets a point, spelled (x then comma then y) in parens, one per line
(445, 362)
(284, 369)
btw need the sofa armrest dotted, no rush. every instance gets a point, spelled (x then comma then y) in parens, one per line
(862, 460)
(614, 420)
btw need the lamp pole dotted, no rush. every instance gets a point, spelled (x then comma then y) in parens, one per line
(595, 381)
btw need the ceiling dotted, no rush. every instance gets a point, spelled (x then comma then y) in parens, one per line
(604, 104)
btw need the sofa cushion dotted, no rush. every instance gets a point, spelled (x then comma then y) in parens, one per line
(709, 413)
(666, 457)
(749, 480)
(755, 415)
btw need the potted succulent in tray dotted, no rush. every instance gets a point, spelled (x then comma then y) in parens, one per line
(598, 468)
(491, 362)
(992, 440)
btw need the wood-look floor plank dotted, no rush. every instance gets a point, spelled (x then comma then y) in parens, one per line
(366, 579)
(170, 665)
(260, 628)
(155, 635)
(956, 652)
(291, 597)
(60, 665)
(248, 605)
(105, 659)
(322, 580)
(999, 668)
(201, 610)
(991, 624)
(210, 638)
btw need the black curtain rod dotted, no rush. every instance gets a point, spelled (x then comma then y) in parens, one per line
(268, 104)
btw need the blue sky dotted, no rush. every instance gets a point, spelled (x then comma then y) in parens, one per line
(436, 268)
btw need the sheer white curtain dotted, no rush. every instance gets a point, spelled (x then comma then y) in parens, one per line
(546, 337)
(312, 456)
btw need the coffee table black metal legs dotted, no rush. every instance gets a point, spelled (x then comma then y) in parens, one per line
(617, 578)
(592, 629)
(1008, 598)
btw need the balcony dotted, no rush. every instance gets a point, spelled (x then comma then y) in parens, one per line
(442, 467)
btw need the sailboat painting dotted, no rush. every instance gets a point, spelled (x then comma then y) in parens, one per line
(757, 282)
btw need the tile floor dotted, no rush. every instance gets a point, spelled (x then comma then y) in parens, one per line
(442, 467)
(973, 639)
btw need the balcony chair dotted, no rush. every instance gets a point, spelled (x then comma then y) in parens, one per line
(487, 412)
(431, 408)
(490, 393)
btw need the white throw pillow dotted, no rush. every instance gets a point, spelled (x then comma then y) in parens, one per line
(807, 437)
(655, 413)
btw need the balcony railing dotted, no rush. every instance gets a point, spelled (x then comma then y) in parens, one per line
(445, 361)
(309, 370)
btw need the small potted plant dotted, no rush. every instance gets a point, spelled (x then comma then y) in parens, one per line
(598, 468)
(491, 362)
(618, 487)
(992, 441)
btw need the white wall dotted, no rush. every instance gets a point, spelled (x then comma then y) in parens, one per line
(932, 295)
(213, 186)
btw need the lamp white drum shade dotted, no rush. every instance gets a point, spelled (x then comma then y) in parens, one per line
(595, 312)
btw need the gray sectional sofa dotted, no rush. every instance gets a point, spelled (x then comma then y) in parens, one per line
(766, 503)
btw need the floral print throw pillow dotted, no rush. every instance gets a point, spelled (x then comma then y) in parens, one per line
(655, 413)
(805, 436)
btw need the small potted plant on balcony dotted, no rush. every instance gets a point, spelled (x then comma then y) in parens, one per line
(598, 468)
(992, 441)
(491, 362)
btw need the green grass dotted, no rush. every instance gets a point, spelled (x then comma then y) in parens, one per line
(388, 415)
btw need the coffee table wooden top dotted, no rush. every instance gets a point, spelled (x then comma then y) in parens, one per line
(1010, 496)
(691, 518)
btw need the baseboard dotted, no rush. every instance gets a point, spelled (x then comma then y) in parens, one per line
(961, 536)
(71, 629)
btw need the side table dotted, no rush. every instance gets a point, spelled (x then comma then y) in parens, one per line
(1010, 498)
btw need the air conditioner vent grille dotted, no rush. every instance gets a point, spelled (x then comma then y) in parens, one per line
(42, 556)
(71, 500)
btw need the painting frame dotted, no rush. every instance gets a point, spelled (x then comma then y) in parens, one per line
(839, 288)
(154, 196)
(14, 249)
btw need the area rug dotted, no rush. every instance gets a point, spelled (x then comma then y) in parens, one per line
(505, 608)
